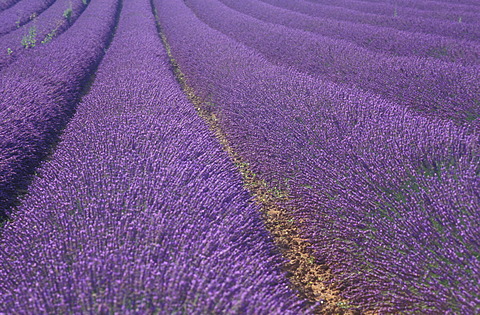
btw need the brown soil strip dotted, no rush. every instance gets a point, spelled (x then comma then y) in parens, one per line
(312, 281)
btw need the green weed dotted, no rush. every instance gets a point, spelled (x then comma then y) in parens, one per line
(29, 40)
(48, 38)
(67, 14)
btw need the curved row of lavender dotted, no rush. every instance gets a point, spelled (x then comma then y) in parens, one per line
(23, 12)
(467, 2)
(139, 211)
(374, 38)
(426, 10)
(389, 198)
(5, 4)
(423, 3)
(427, 5)
(42, 30)
(406, 23)
(38, 94)
(430, 86)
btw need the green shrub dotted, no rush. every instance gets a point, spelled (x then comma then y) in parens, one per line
(29, 40)
(67, 14)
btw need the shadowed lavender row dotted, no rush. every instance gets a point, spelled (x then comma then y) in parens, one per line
(442, 89)
(428, 10)
(38, 92)
(139, 211)
(374, 38)
(42, 30)
(21, 13)
(456, 30)
(5, 4)
(388, 198)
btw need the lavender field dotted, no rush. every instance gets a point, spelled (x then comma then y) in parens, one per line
(239, 157)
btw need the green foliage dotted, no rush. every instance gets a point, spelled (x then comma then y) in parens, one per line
(29, 40)
(67, 14)
(9, 51)
(344, 305)
(85, 2)
(48, 38)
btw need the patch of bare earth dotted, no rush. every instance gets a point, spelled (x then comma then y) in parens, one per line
(311, 280)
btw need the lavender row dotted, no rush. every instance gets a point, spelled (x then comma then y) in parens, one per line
(38, 93)
(436, 88)
(388, 198)
(139, 210)
(456, 30)
(429, 10)
(435, 5)
(42, 30)
(374, 38)
(23, 12)
(5, 4)
(466, 2)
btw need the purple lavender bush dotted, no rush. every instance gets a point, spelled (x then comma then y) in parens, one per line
(377, 39)
(453, 29)
(43, 29)
(139, 211)
(430, 86)
(21, 13)
(423, 9)
(5, 4)
(388, 196)
(38, 95)
(467, 2)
